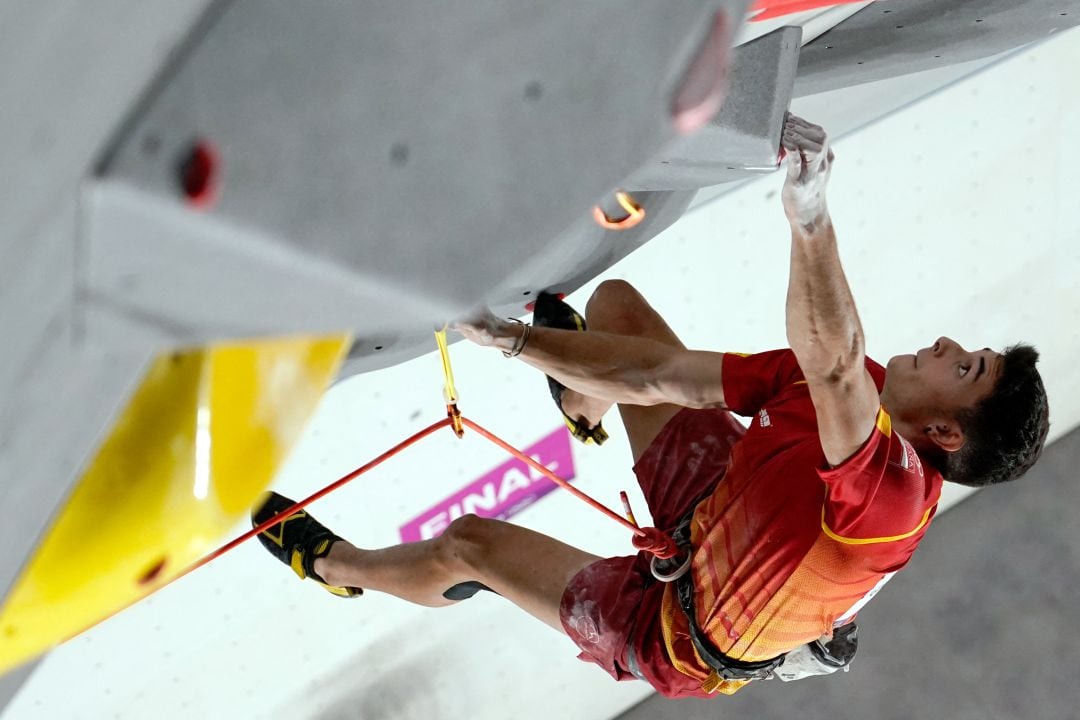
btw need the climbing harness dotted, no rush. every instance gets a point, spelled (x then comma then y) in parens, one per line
(727, 668)
(649, 539)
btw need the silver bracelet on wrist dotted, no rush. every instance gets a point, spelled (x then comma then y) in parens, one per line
(522, 339)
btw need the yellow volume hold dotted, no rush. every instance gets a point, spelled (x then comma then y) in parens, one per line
(199, 440)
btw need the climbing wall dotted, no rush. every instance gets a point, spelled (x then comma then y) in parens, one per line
(888, 39)
(327, 167)
(273, 180)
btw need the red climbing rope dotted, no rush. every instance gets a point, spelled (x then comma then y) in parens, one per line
(651, 539)
(412, 440)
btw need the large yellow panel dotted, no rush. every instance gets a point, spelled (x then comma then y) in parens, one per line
(202, 436)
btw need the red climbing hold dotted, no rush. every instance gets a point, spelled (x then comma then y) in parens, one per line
(771, 9)
(199, 172)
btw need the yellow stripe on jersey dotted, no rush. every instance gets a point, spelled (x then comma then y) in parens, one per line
(884, 422)
(872, 541)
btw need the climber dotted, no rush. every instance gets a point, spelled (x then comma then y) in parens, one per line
(791, 525)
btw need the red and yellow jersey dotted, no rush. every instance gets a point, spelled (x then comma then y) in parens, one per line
(786, 546)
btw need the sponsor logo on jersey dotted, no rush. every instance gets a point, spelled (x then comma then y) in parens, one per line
(908, 459)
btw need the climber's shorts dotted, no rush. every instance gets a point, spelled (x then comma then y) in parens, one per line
(613, 605)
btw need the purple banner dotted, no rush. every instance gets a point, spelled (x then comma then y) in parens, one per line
(500, 493)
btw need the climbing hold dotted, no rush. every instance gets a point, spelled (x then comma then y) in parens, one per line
(198, 174)
(635, 213)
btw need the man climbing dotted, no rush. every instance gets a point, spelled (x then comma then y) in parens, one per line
(790, 525)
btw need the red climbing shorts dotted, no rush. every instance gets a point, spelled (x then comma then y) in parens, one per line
(611, 609)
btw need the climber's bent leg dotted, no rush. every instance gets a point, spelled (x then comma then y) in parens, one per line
(529, 569)
(617, 307)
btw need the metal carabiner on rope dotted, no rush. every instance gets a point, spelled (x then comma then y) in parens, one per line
(658, 572)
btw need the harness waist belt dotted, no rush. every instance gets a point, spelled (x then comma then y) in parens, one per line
(726, 667)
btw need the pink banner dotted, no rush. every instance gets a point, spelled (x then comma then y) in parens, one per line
(500, 493)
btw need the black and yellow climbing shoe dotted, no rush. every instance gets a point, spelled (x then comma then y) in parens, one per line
(297, 540)
(551, 311)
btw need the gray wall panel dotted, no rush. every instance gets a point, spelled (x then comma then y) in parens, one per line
(887, 39)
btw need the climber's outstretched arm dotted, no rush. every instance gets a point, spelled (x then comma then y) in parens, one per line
(616, 368)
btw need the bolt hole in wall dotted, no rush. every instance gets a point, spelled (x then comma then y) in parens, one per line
(151, 144)
(399, 154)
(151, 573)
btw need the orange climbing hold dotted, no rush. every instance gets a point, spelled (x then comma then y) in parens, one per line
(635, 213)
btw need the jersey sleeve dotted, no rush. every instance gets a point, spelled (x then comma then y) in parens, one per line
(750, 381)
(881, 493)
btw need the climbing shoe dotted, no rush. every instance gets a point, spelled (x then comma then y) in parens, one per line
(296, 540)
(551, 311)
